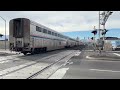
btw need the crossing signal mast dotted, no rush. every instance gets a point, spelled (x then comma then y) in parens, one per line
(103, 17)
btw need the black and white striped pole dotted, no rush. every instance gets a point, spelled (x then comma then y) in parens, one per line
(94, 32)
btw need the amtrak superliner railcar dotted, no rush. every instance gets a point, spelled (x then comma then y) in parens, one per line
(27, 36)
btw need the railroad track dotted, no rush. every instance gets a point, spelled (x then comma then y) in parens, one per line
(4, 59)
(6, 72)
(41, 71)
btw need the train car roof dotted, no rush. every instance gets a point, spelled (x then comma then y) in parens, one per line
(52, 30)
(46, 27)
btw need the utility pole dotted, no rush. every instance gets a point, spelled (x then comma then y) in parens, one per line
(105, 33)
(99, 25)
(104, 18)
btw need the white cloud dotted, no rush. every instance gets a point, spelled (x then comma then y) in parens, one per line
(62, 21)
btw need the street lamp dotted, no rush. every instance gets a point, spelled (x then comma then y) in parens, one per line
(5, 31)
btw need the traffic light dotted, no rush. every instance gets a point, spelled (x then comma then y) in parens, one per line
(104, 32)
(1, 35)
(94, 32)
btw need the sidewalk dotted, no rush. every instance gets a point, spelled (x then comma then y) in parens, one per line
(103, 56)
(113, 51)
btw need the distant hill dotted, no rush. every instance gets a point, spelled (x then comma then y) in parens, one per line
(81, 34)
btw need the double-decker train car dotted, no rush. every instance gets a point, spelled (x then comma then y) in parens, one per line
(27, 36)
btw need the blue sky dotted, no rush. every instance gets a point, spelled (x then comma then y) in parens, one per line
(86, 34)
(81, 34)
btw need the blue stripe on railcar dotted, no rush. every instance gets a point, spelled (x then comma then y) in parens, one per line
(46, 38)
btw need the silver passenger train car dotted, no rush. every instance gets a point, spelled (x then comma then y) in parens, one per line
(27, 36)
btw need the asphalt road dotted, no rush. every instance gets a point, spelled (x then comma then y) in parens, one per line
(79, 67)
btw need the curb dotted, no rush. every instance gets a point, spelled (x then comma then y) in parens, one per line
(108, 59)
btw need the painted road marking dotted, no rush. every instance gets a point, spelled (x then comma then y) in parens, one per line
(116, 54)
(89, 57)
(103, 70)
(59, 74)
(77, 54)
(50, 71)
(93, 59)
(100, 60)
(88, 50)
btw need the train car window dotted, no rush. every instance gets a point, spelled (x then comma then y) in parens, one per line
(49, 32)
(18, 28)
(37, 28)
(60, 36)
(52, 33)
(55, 34)
(40, 29)
(44, 31)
